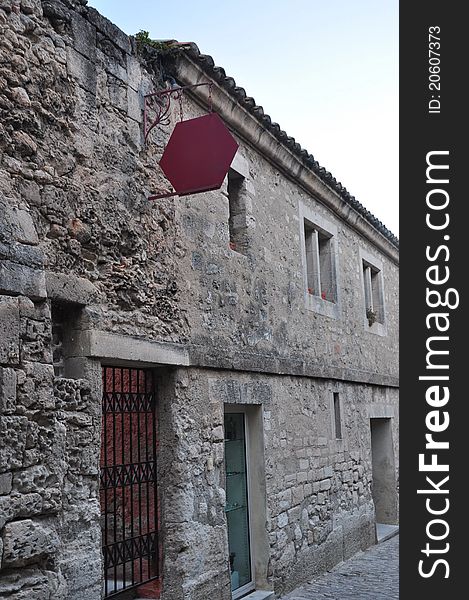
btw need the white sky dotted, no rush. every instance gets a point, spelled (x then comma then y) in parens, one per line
(326, 71)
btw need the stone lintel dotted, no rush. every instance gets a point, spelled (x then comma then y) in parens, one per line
(115, 347)
(70, 288)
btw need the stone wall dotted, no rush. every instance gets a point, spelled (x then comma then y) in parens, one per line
(192, 493)
(49, 452)
(74, 172)
(319, 507)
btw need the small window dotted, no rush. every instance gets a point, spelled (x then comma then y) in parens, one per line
(337, 420)
(319, 263)
(63, 316)
(237, 206)
(58, 319)
(374, 306)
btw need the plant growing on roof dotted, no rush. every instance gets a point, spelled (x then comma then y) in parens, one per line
(165, 47)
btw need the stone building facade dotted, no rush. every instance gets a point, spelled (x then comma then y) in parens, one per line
(269, 305)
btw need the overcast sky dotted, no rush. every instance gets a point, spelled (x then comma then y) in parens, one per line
(327, 72)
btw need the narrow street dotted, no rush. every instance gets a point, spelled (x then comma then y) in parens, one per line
(370, 575)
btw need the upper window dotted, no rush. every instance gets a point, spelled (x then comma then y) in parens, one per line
(373, 293)
(373, 299)
(337, 417)
(319, 257)
(319, 266)
(237, 206)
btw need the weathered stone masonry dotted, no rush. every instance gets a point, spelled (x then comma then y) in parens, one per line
(124, 281)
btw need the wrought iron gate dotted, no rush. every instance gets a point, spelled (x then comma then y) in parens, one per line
(128, 491)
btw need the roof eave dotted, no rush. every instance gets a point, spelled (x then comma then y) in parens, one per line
(249, 121)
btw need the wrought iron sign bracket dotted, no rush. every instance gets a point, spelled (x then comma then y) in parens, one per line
(158, 105)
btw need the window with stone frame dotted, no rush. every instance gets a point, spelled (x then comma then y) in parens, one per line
(373, 292)
(337, 416)
(320, 269)
(237, 207)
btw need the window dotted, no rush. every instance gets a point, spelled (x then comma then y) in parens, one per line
(63, 316)
(373, 307)
(337, 419)
(319, 263)
(373, 289)
(319, 258)
(237, 206)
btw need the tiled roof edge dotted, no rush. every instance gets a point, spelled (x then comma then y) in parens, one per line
(218, 74)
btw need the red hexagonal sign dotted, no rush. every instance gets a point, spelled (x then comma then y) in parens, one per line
(198, 155)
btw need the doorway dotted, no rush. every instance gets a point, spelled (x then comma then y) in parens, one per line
(237, 504)
(384, 474)
(128, 482)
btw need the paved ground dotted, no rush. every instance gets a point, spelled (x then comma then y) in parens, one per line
(370, 575)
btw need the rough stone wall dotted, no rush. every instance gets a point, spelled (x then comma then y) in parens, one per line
(49, 451)
(191, 483)
(74, 165)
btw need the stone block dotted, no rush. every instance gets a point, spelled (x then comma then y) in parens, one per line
(134, 72)
(13, 430)
(240, 165)
(84, 36)
(301, 477)
(31, 256)
(27, 541)
(298, 495)
(282, 520)
(70, 288)
(17, 225)
(134, 134)
(30, 584)
(82, 70)
(82, 571)
(134, 105)
(7, 391)
(5, 484)
(109, 30)
(19, 506)
(21, 279)
(33, 479)
(112, 66)
(29, 191)
(9, 328)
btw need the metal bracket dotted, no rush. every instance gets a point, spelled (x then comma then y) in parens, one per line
(159, 103)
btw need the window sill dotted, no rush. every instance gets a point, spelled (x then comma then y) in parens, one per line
(377, 328)
(322, 307)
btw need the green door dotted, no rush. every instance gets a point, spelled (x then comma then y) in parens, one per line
(237, 508)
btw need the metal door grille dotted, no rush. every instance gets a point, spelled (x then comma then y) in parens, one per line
(128, 490)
